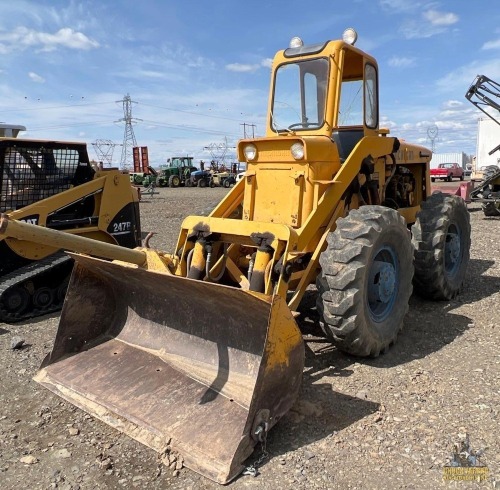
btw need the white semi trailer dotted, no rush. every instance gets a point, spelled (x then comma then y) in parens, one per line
(488, 138)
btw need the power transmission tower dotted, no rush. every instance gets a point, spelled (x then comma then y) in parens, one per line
(104, 150)
(432, 132)
(218, 152)
(245, 134)
(129, 140)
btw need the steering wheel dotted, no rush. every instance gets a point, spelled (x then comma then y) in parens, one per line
(303, 125)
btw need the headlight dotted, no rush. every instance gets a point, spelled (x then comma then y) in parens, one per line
(250, 152)
(297, 150)
(350, 36)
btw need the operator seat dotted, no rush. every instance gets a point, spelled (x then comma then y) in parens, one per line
(346, 139)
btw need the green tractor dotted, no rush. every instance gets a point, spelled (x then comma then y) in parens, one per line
(152, 177)
(137, 178)
(177, 173)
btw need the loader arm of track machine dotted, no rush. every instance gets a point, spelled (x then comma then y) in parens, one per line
(214, 358)
(106, 208)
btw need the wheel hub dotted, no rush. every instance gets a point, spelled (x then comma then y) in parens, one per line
(452, 250)
(43, 297)
(382, 285)
(16, 300)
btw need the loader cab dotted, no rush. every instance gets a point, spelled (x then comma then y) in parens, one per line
(329, 89)
(323, 101)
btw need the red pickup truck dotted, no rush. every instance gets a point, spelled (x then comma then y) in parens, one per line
(447, 171)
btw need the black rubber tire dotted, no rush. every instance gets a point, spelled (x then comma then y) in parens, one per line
(491, 208)
(188, 182)
(174, 181)
(489, 171)
(462, 177)
(433, 179)
(441, 240)
(227, 183)
(449, 178)
(358, 313)
(202, 183)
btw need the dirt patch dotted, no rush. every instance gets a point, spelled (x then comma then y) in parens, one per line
(389, 422)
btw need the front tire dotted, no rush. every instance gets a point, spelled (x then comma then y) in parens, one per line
(366, 280)
(441, 240)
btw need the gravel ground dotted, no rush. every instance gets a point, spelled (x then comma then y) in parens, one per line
(385, 423)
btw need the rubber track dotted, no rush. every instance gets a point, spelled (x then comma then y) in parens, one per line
(32, 271)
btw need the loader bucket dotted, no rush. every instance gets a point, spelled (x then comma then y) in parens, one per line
(186, 367)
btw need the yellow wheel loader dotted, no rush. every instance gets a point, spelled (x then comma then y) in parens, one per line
(214, 359)
(52, 184)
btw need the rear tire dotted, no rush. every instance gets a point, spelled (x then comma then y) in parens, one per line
(174, 181)
(449, 178)
(202, 183)
(441, 240)
(366, 280)
(433, 179)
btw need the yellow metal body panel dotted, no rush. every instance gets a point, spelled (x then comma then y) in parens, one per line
(111, 191)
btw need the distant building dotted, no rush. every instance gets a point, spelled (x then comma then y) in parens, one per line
(10, 130)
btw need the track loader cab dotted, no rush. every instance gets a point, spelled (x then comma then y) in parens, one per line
(52, 184)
